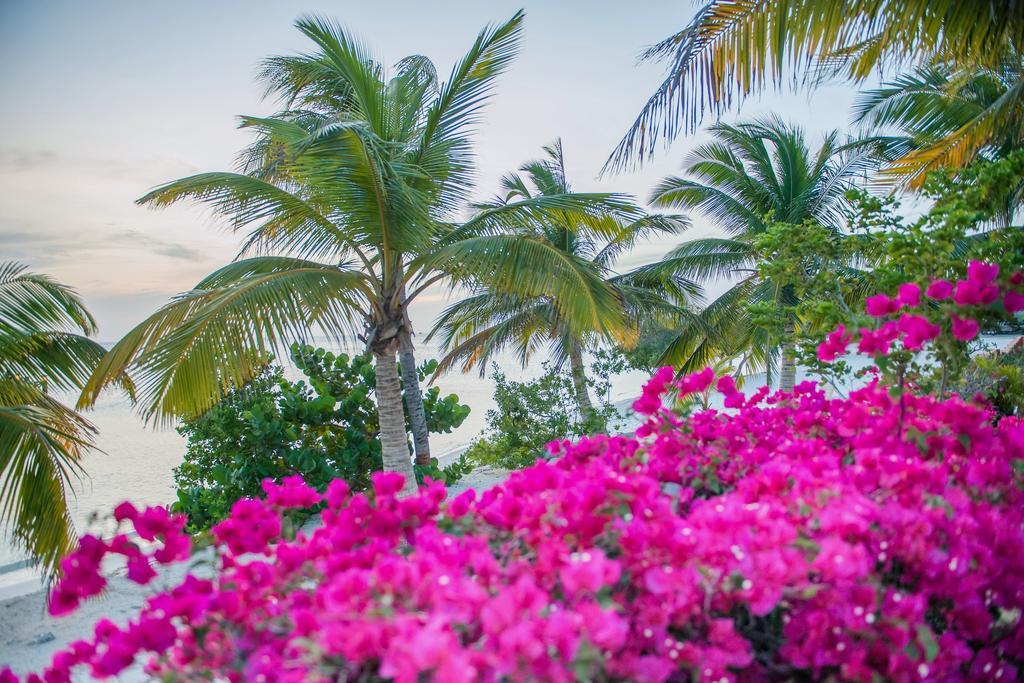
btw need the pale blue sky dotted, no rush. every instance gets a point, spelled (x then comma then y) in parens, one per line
(104, 99)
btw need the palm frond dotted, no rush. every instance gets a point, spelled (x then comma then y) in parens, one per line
(185, 356)
(529, 267)
(30, 302)
(41, 448)
(704, 259)
(286, 220)
(471, 82)
(734, 48)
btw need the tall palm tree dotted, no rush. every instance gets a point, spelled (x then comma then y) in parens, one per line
(750, 177)
(733, 48)
(495, 315)
(950, 116)
(44, 346)
(352, 200)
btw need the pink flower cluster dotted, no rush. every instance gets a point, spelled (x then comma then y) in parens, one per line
(979, 289)
(80, 571)
(795, 538)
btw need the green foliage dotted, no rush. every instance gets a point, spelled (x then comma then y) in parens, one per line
(999, 377)
(731, 50)
(497, 315)
(531, 414)
(782, 205)
(323, 427)
(647, 351)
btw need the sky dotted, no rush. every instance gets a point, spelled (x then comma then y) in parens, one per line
(104, 100)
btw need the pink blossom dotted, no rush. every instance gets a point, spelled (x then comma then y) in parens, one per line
(835, 344)
(973, 293)
(1013, 301)
(650, 399)
(916, 330)
(874, 537)
(337, 493)
(125, 511)
(909, 295)
(139, 570)
(940, 290)
(880, 305)
(588, 571)
(877, 342)
(734, 398)
(982, 273)
(387, 483)
(965, 329)
(292, 492)
(696, 382)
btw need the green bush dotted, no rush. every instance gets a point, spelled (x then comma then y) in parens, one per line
(323, 427)
(529, 415)
(998, 377)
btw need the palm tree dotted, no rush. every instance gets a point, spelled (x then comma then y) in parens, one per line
(950, 116)
(352, 196)
(754, 175)
(495, 316)
(733, 48)
(43, 346)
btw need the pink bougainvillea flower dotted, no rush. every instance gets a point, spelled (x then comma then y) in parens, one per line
(909, 295)
(292, 492)
(982, 273)
(835, 344)
(974, 293)
(877, 342)
(916, 330)
(734, 398)
(965, 329)
(140, 570)
(621, 560)
(880, 305)
(650, 398)
(1013, 302)
(696, 382)
(940, 290)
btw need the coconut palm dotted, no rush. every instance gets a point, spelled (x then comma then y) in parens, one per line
(495, 315)
(352, 198)
(733, 48)
(950, 116)
(754, 175)
(43, 347)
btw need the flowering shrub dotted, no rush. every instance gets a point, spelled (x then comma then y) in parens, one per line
(949, 306)
(797, 537)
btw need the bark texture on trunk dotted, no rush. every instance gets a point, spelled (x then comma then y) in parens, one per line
(393, 440)
(579, 381)
(413, 396)
(787, 371)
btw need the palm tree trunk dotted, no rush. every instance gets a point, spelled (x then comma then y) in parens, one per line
(579, 381)
(787, 371)
(413, 396)
(393, 439)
